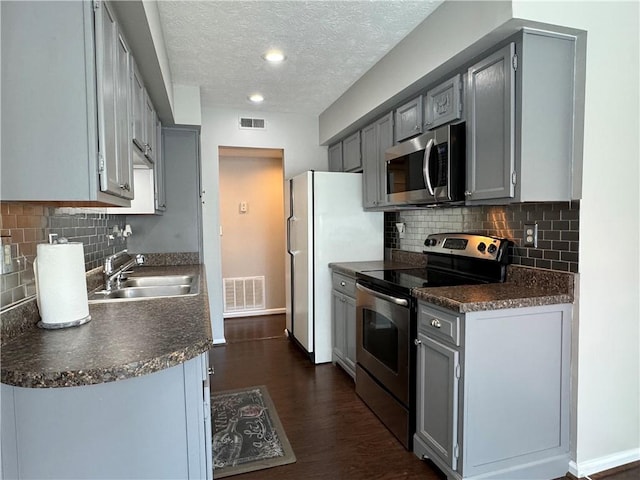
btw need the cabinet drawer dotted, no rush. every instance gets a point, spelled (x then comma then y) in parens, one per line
(344, 284)
(438, 324)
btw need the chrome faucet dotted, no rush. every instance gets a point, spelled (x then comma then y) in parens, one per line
(117, 265)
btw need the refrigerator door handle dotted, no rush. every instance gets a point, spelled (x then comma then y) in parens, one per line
(289, 236)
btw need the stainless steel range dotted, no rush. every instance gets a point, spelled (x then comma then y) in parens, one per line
(386, 320)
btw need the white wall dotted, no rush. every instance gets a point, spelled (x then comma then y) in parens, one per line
(297, 135)
(608, 393)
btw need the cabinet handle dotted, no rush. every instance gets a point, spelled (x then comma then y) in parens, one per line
(417, 342)
(343, 284)
(125, 186)
(467, 193)
(436, 323)
(416, 128)
(210, 371)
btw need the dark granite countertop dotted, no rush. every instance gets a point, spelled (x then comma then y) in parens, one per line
(122, 340)
(351, 268)
(525, 287)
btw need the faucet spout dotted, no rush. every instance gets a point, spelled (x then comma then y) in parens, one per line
(115, 266)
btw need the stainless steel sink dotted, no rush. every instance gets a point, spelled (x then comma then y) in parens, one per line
(145, 288)
(158, 281)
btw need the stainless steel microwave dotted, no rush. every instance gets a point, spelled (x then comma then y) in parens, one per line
(428, 169)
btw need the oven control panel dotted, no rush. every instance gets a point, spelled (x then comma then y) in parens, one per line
(467, 245)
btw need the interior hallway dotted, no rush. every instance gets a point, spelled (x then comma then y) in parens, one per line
(332, 433)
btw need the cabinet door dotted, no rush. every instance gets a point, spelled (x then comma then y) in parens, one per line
(409, 119)
(159, 176)
(107, 79)
(370, 170)
(384, 131)
(137, 109)
(351, 160)
(150, 128)
(437, 397)
(335, 158)
(350, 332)
(339, 325)
(490, 127)
(123, 115)
(443, 103)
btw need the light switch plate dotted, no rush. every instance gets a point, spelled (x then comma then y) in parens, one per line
(531, 235)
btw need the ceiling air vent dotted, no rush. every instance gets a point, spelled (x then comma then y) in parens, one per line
(253, 123)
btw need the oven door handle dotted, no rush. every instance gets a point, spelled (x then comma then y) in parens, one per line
(398, 301)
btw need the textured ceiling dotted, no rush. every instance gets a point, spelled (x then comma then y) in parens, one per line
(329, 45)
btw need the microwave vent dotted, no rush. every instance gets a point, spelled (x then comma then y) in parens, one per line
(253, 123)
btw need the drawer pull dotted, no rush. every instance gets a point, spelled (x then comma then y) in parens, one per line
(417, 342)
(343, 284)
(436, 323)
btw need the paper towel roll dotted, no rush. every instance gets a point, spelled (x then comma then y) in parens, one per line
(61, 285)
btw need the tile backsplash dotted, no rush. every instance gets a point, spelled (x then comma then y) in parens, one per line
(558, 226)
(24, 225)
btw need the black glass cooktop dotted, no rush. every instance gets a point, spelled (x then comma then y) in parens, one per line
(406, 279)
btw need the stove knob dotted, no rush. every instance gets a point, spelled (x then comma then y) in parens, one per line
(492, 249)
(482, 247)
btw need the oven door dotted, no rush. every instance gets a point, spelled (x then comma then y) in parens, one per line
(382, 339)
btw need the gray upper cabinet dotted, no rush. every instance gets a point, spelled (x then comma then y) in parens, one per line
(409, 119)
(138, 99)
(150, 128)
(335, 157)
(123, 116)
(516, 150)
(53, 48)
(490, 126)
(443, 103)
(159, 175)
(351, 159)
(113, 73)
(376, 138)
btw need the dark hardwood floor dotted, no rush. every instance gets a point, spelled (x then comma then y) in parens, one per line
(332, 433)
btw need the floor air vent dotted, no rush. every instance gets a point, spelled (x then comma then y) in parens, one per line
(253, 123)
(243, 293)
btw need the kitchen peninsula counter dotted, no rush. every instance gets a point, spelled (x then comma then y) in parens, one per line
(124, 339)
(525, 286)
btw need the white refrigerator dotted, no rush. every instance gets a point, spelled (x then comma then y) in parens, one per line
(325, 223)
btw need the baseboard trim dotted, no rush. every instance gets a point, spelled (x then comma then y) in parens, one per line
(604, 463)
(255, 313)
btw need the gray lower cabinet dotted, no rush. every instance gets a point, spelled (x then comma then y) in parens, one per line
(343, 305)
(68, 61)
(335, 157)
(409, 119)
(154, 426)
(351, 155)
(376, 138)
(518, 151)
(493, 391)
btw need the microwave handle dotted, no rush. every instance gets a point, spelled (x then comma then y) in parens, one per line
(426, 163)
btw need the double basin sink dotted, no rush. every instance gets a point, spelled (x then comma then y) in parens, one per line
(148, 287)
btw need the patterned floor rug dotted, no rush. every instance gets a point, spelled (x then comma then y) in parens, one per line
(247, 433)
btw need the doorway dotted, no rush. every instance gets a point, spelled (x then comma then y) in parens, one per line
(252, 231)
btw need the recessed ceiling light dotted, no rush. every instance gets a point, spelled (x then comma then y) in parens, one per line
(274, 56)
(256, 98)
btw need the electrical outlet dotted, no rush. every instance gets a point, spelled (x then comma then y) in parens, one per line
(531, 235)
